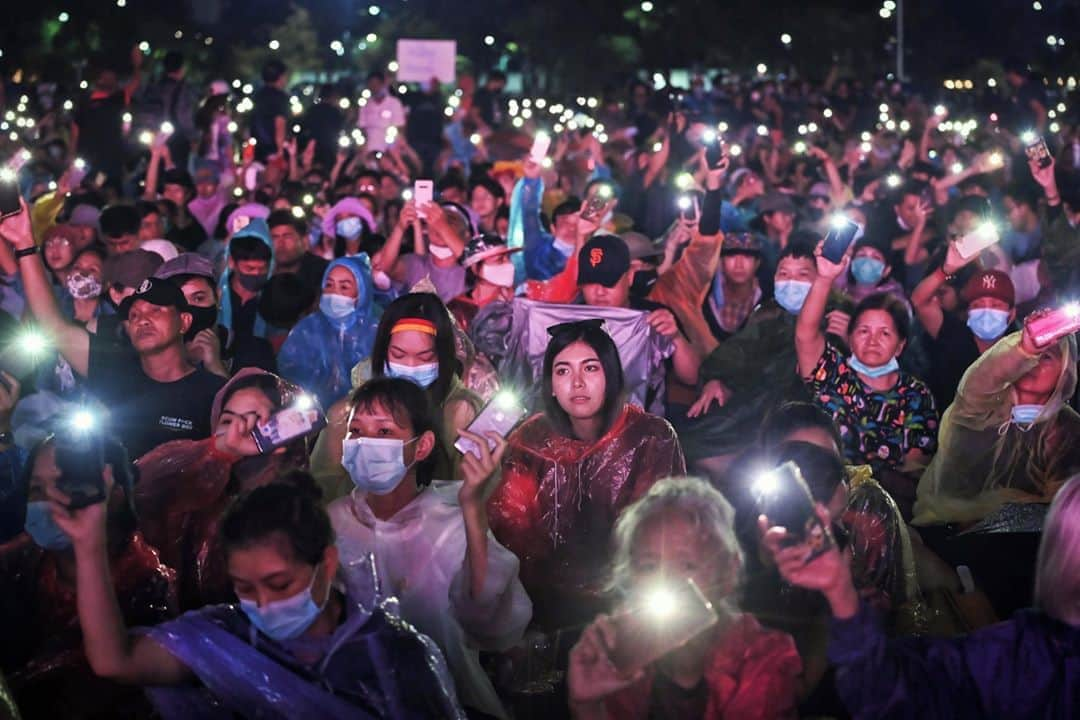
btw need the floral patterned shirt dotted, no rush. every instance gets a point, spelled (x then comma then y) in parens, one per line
(877, 428)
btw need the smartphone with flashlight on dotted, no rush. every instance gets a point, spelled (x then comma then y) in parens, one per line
(982, 237)
(541, 145)
(783, 496)
(20, 355)
(838, 239)
(1055, 324)
(1036, 150)
(80, 457)
(594, 206)
(500, 415)
(423, 193)
(688, 207)
(286, 425)
(658, 620)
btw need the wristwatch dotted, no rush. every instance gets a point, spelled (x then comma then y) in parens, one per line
(26, 252)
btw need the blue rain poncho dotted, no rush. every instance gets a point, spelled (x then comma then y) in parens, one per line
(320, 351)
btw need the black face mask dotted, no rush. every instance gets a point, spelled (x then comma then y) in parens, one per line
(250, 282)
(202, 318)
(815, 213)
(643, 282)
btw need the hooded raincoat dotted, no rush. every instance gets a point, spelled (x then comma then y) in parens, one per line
(984, 459)
(559, 499)
(321, 351)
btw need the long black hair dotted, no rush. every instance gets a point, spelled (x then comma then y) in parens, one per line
(425, 306)
(592, 334)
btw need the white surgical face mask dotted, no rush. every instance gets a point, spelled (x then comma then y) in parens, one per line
(441, 252)
(501, 274)
(376, 465)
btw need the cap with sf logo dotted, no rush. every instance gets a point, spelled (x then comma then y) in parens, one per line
(603, 260)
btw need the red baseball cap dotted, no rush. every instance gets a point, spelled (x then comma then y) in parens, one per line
(990, 283)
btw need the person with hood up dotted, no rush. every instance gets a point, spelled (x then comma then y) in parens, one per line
(345, 228)
(323, 347)
(250, 254)
(1009, 437)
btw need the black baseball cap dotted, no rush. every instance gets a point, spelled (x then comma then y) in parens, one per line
(603, 260)
(163, 293)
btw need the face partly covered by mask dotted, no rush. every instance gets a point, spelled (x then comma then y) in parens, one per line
(382, 447)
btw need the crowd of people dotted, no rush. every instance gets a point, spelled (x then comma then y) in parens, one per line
(751, 399)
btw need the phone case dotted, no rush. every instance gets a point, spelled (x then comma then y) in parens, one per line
(80, 458)
(499, 418)
(838, 240)
(540, 146)
(977, 240)
(787, 502)
(1055, 325)
(1039, 152)
(287, 425)
(643, 636)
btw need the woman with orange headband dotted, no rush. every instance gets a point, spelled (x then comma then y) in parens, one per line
(414, 341)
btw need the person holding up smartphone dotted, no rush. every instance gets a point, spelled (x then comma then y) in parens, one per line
(1024, 667)
(682, 528)
(887, 417)
(1010, 435)
(429, 540)
(40, 623)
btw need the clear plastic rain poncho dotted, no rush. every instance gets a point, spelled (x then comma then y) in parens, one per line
(321, 351)
(985, 460)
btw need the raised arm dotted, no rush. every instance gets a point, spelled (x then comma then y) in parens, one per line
(71, 340)
(112, 651)
(386, 259)
(809, 337)
(924, 298)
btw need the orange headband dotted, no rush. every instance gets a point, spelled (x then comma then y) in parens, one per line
(414, 324)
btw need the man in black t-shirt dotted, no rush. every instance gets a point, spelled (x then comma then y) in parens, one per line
(97, 127)
(155, 395)
(268, 117)
(151, 390)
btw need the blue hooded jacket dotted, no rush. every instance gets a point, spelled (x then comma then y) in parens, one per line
(320, 352)
(257, 228)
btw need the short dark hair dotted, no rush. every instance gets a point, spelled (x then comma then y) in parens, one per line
(1023, 193)
(289, 507)
(249, 247)
(426, 306)
(119, 220)
(791, 417)
(566, 207)
(285, 217)
(284, 300)
(173, 61)
(272, 71)
(146, 207)
(377, 75)
(590, 333)
(883, 301)
(496, 74)
(822, 470)
(453, 179)
(489, 184)
(798, 248)
(407, 403)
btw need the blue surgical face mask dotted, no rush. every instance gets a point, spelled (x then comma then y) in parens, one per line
(1026, 414)
(867, 270)
(43, 529)
(349, 228)
(336, 306)
(376, 465)
(873, 372)
(422, 375)
(289, 618)
(988, 323)
(791, 294)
